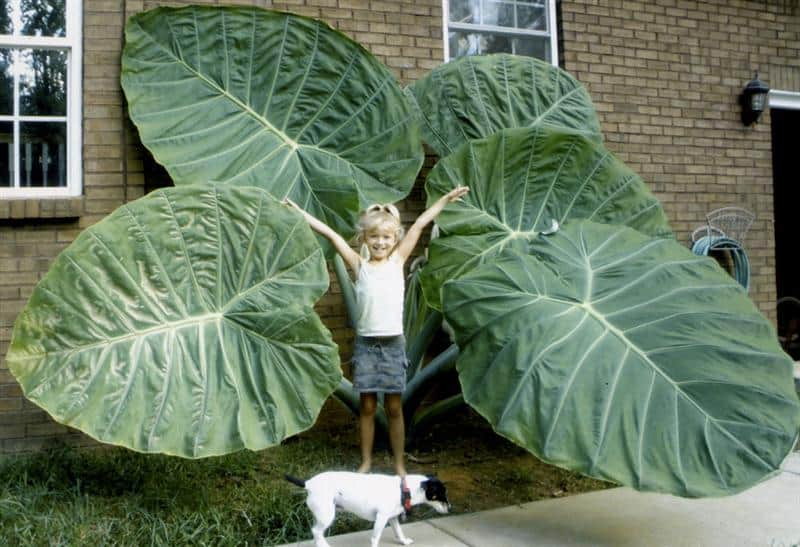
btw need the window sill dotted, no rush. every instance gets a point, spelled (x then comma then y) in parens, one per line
(32, 208)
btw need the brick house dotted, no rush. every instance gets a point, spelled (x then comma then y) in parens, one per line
(665, 77)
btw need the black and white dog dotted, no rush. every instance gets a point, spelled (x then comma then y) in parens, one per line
(371, 496)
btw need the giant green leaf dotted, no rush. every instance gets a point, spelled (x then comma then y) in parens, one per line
(246, 96)
(521, 182)
(626, 358)
(475, 96)
(182, 323)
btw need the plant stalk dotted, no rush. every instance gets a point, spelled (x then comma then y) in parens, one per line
(421, 384)
(348, 290)
(423, 420)
(417, 346)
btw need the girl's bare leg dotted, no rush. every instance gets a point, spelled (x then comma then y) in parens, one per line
(397, 430)
(366, 422)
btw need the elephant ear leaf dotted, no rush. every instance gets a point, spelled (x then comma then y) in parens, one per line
(472, 97)
(251, 97)
(639, 363)
(182, 323)
(526, 181)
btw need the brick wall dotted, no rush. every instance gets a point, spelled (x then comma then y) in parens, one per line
(664, 78)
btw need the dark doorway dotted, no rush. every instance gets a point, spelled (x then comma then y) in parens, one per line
(786, 181)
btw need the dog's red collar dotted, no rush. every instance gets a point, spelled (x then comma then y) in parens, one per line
(405, 495)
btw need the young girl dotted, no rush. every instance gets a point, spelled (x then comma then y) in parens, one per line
(379, 358)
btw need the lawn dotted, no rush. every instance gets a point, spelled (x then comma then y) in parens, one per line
(113, 496)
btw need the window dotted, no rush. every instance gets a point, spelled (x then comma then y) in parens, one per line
(522, 27)
(40, 98)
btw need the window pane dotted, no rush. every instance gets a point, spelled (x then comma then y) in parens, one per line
(5, 17)
(532, 17)
(495, 43)
(500, 14)
(43, 82)
(534, 46)
(6, 82)
(481, 43)
(43, 154)
(463, 11)
(6, 154)
(463, 43)
(43, 17)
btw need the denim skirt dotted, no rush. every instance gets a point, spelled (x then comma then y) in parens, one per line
(379, 364)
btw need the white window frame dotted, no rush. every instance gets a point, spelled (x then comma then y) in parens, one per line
(72, 44)
(552, 33)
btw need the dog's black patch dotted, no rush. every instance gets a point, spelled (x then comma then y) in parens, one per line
(435, 490)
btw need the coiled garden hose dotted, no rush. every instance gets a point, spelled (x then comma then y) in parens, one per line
(740, 269)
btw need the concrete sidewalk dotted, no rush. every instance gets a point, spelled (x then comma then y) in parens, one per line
(767, 515)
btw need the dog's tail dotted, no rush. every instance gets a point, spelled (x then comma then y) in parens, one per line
(294, 480)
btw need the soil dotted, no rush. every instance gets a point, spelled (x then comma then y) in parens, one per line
(480, 469)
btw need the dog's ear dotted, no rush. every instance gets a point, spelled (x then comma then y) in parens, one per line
(434, 489)
(431, 479)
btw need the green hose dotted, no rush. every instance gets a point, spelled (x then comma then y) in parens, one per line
(741, 264)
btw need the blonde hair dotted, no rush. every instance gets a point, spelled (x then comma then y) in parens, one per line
(377, 214)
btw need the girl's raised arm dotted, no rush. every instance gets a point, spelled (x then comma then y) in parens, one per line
(351, 258)
(406, 246)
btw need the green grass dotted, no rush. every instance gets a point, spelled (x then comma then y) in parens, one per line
(117, 497)
(113, 496)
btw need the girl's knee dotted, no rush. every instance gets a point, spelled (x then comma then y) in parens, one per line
(367, 411)
(395, 413)
(368, 405)
(394, 407)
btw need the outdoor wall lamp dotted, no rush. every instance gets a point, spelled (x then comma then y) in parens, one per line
(753, 100)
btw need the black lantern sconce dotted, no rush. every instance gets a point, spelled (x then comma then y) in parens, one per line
(753, 100)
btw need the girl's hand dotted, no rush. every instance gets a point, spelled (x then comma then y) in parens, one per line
(296, 207)
(457, 193)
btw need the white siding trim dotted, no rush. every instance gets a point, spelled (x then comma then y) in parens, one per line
(784, 99)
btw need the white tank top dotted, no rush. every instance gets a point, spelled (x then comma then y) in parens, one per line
(380, 294)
